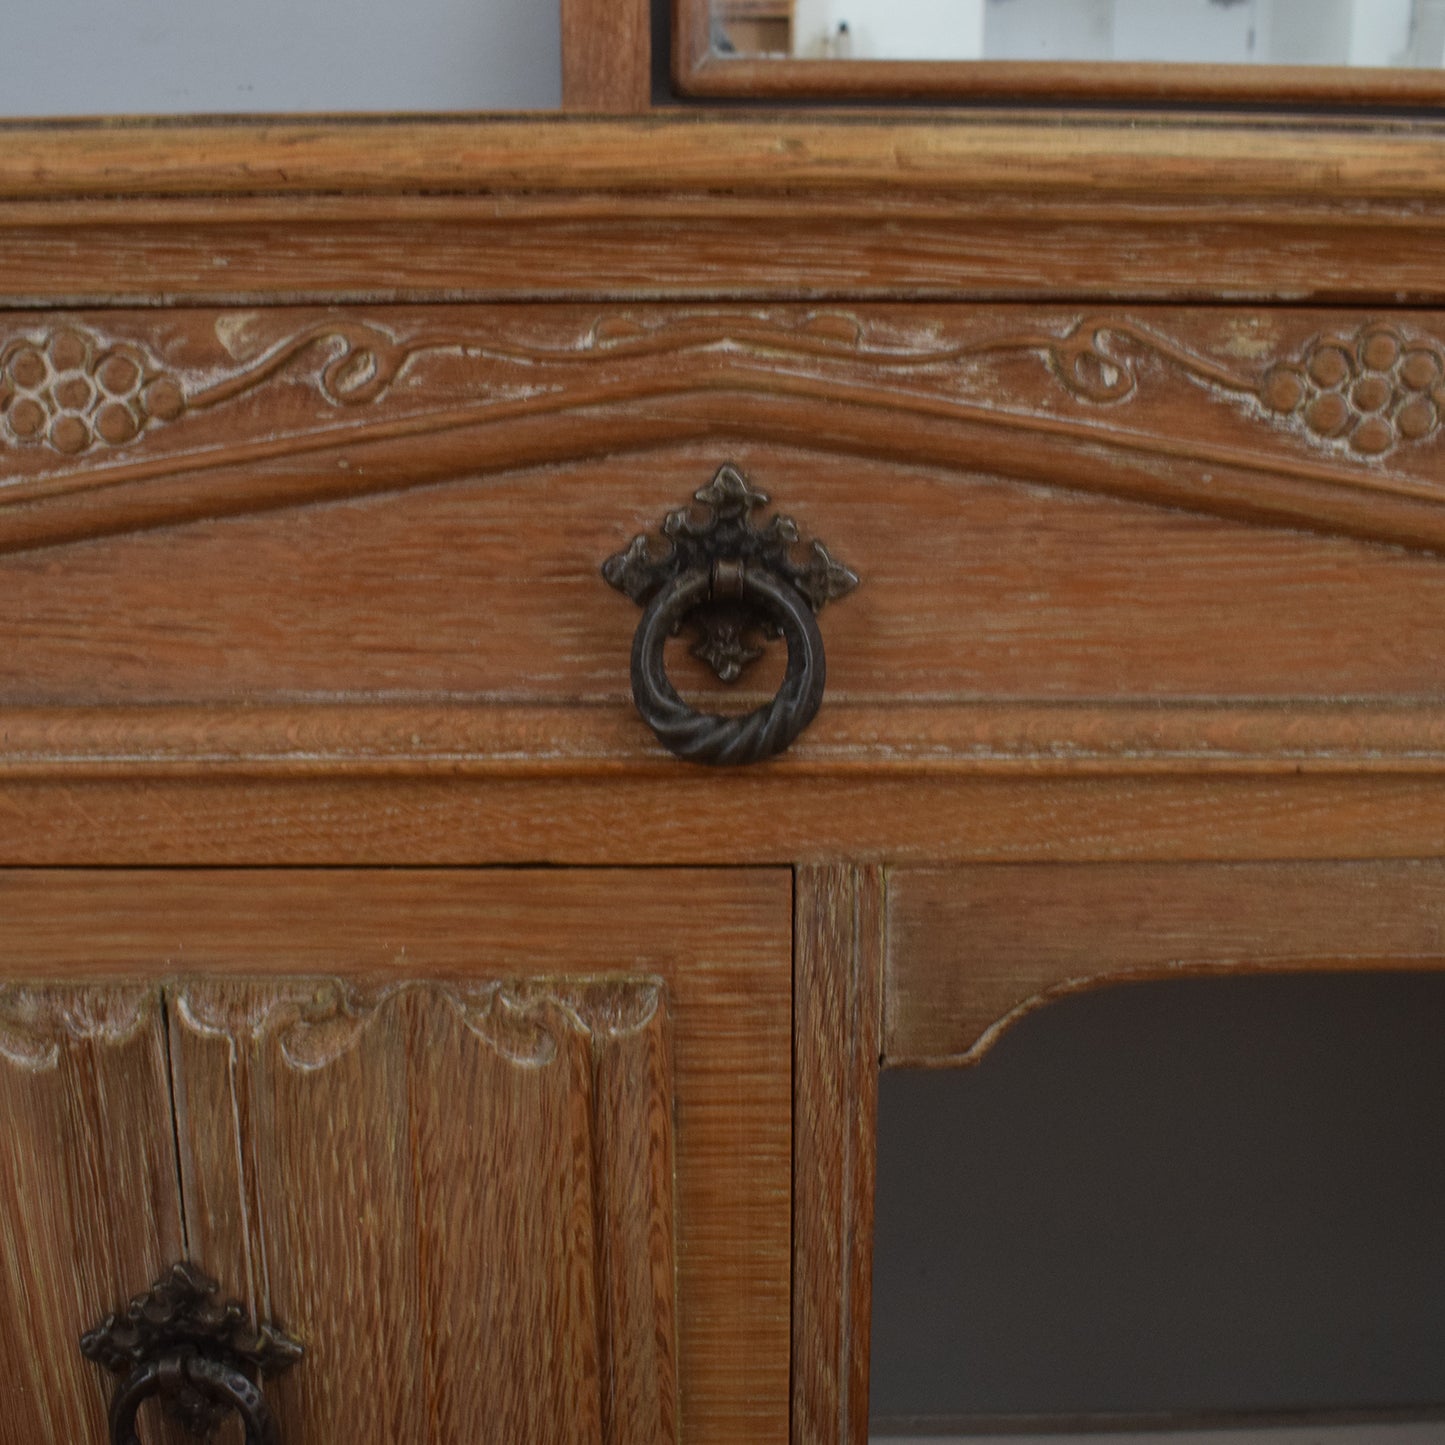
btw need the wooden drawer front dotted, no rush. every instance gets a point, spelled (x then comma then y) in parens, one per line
(429, 1123)
(409, 507)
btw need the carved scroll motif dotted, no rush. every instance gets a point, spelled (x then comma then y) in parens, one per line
(1362, 393)
(1366, 392)
(316, 1021)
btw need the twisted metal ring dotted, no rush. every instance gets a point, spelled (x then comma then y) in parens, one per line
(708, 737)
(214, 1380)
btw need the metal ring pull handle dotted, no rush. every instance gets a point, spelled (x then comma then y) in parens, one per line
(183, 1344)
(710, 737)
(733, 582)
(213, 1381)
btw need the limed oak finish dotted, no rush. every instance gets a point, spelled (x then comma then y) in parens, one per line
(350, 944)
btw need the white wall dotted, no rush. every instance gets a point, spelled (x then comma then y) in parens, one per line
(892, 29)
(93, 57)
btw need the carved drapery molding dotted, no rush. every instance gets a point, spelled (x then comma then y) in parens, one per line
(316, 1021)
(39, 1021)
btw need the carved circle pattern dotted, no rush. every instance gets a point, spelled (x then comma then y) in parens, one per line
(70, 391)
(1368, 392)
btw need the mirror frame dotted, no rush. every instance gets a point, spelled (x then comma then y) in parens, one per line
(698, 71)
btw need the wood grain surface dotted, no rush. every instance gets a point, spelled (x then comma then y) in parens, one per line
(667, 815)
(341, 1192)
(765, 79)
(837, 1003)
(90, 1208)
(490, 591)
(606, 56)
(973, 950)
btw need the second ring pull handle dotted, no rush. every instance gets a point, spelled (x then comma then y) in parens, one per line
(211, 1384)
(731, 580)
(181, 1343)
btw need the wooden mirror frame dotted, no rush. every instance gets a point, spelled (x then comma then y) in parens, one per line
(699, 72)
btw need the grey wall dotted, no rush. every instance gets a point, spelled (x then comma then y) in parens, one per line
(94, 57)
(1205, 1195)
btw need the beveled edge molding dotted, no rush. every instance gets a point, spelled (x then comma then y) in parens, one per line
(1126, 738)
(1059, 153)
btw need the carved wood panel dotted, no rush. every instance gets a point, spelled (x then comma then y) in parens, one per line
(463, 1195)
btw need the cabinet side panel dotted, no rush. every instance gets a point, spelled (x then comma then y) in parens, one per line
(88, 1194)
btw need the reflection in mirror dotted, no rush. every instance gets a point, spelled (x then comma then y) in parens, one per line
(168, 57)
(1395, 33)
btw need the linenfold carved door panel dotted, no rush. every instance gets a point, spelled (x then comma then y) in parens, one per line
(507, 1153)
(89, 1205)
(464, 1192)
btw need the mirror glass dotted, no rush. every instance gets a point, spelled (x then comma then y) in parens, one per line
(1409, 33)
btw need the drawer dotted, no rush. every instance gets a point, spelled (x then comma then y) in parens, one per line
(412, 505)
(253, 547)
(503, 1152)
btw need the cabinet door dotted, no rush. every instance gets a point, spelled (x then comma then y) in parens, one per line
(507, 1152)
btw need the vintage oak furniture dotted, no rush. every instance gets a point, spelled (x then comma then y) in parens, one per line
(368, 953)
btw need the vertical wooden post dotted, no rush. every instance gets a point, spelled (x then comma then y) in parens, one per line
(837, 1032)
(607, 56)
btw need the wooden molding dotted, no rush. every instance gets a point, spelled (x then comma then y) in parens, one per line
(853, 742)
(763, 79)
(1004, 205)
(108, 433)
(1159, 157)
(38, 1023)
(523, 1021)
